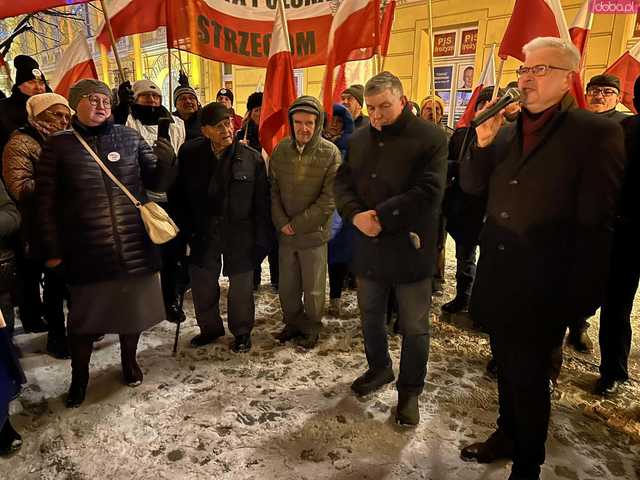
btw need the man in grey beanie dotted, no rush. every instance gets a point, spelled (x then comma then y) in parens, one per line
(353, 99)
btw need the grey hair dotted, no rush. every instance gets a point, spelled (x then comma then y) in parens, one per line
(565, 48)
(381, 82)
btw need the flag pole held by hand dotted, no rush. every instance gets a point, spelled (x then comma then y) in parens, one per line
(116, 55)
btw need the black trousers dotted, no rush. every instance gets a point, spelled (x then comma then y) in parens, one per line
(337, 276)
(615, 317)
(524, 364)
(414, 304)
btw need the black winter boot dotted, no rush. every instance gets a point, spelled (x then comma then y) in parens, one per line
(10, 440)
(459, 304)
(407, 412)
(81, 347)
(131, 372)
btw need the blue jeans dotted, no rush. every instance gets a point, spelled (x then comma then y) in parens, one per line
(414, 303)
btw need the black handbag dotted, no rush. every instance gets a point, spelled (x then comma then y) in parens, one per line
(7, 270)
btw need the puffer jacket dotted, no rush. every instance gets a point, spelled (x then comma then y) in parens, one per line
(302, 184)
(19, 162)
(83, 217)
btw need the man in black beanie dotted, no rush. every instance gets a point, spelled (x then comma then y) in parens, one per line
(13, 110)
(615, 316)
(353, 99)
(188, 107)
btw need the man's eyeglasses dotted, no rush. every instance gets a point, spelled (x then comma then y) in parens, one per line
(538, 70)
(96, 101)
(605, 92)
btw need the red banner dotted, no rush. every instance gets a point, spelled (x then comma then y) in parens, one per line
(239, 33)
(14, 8)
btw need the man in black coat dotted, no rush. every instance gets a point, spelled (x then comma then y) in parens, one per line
(390, 187)
(552, 180)
(464, 215)
(222, 204)
(13, 110)
(615, 317)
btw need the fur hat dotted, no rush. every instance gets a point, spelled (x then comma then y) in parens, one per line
(254, 100)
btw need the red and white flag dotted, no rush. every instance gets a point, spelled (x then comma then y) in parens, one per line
(281, 88)
(341, 83)
(531, 19)
(129, 17)
(627, 69)
(385, 26)
(356, 25)
(581, 27)
(76, 63)
(20, 7)
(487, 79)
(538, 18)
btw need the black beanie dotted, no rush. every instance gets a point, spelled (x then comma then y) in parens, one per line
(225, 92)
(254, 101)
(357, 92)
(27, 69)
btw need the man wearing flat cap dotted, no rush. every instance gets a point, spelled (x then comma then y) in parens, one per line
(603, 95)
(353, 99)
(222, 205)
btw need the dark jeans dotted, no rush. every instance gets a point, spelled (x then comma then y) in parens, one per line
(465, 268)
(274, 270)
(206, 300)
(413, 318)
(524, 365)
(337, 276)
(615, 317)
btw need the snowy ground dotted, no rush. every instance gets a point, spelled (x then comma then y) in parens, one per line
(280, 413)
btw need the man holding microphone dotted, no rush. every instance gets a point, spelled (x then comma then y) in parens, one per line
(552, 181)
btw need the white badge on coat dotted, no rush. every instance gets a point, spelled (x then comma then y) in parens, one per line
(113, 156)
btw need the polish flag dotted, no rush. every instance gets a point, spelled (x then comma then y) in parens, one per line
(531, 19)
(581, 27)
(76, 64)
(129, 17)
(14, 8)
(627, 69)
(341, 83)
(356, 25)
(538, 18)
(274, 120)
(385, 26)
(487, 79)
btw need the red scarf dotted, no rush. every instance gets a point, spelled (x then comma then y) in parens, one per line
(533, 126)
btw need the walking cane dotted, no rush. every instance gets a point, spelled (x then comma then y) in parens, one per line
(175, 340)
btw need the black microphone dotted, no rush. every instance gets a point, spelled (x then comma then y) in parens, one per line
(510, 96)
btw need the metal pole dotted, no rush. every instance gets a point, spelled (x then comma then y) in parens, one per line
(107, 23)
(431, 61)
(170, 78)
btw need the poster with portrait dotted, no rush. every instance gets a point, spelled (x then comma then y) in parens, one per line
(465, 76)
(445, 95)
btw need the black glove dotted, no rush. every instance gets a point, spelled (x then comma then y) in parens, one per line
(164, 152)
(125, 94)
(183, 80)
